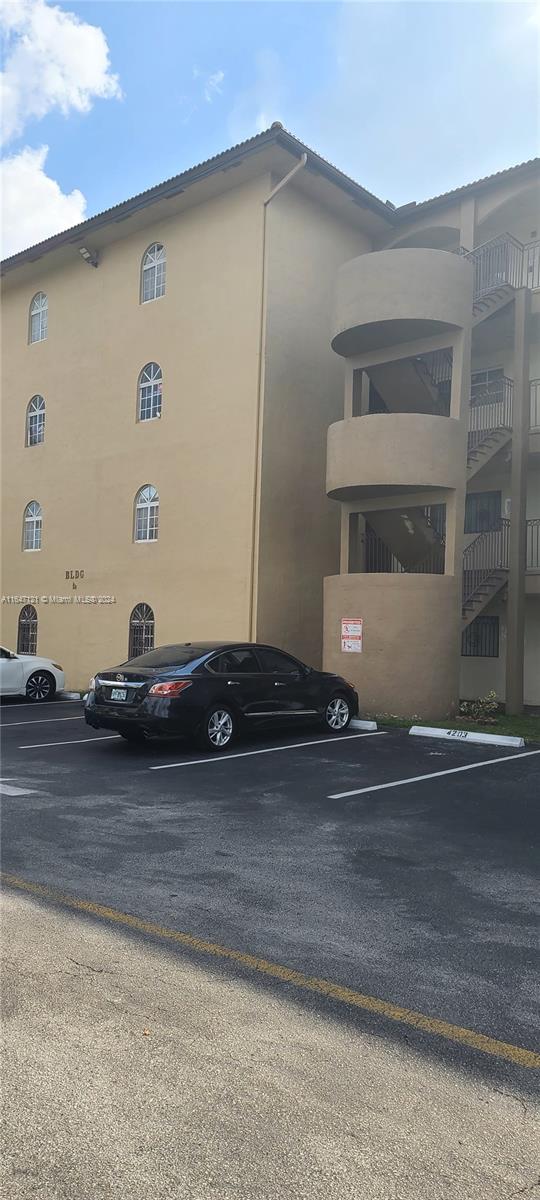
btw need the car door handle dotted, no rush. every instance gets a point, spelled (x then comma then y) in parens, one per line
(233, 683)
(276, 684)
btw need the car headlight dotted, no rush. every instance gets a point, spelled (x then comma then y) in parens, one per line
(58, 667)
(92, 684)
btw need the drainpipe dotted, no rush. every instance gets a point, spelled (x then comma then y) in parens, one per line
(299, 166)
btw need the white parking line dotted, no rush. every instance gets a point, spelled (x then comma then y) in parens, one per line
(32, 704)
(379, 787)
(90, 741)
(195, 762)
(9, 789)
(45, 721)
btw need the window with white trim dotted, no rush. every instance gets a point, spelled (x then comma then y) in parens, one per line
(141, 630)
(150, 392)
(35, 421)
(38, 317)
(146, 514)
(27, 630)
(32, 523)
(153, 273)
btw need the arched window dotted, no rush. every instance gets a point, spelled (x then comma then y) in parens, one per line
(150, 392)
(153, 273)
(146, 514)
(32, 526)
(141, 630)
(35, 421)
(27, 631)
(38, 317)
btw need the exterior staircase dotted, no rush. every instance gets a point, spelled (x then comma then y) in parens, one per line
(490, 425)
(485, 570)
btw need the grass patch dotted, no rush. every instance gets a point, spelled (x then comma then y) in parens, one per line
(526, 726)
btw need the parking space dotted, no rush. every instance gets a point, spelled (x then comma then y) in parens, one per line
(401, 867)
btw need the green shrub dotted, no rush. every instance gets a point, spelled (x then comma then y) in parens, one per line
(484, 709)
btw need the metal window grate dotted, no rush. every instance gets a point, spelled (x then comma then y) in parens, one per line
(141, 630)
(27, 630)
(481, 638)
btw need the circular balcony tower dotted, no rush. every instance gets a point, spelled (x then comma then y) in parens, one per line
(394, 310)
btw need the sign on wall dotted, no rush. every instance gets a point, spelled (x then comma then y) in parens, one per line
(352, 635)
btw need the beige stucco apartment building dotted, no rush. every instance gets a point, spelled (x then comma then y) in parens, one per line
(256, 402)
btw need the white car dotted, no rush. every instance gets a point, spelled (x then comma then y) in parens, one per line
(30, 676)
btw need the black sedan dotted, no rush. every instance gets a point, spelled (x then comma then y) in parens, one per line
(213, 691)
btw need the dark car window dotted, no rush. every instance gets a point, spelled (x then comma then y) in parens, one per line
(166, 656)
(273, 662)
(234, 662)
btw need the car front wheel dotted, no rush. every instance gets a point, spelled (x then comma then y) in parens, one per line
(218, 729)
(40, 686)
(337, 714)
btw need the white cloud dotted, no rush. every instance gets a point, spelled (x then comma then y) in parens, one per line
(53, 60)
(212, 86)
(33, 205)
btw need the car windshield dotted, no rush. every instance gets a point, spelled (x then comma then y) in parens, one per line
(167, 656)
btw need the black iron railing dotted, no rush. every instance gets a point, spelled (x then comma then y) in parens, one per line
(535, 403)
(531, 264)
(533, 545)
(379, 558)
(487, 554)
(504, 261)
(491, 410)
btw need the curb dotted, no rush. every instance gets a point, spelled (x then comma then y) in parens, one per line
(467, 735)
(356, 724)
(70, 695)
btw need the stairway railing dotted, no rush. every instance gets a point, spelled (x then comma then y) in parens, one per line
(491, 410)
(488, 553)
(533, 545)
(502, 261)
(535, 403)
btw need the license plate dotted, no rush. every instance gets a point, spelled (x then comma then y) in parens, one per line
(119, 694)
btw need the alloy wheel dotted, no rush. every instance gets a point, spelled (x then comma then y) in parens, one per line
(220, 727)
(39, 687)
(337, 713)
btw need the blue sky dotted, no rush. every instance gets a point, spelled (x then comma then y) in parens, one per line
(409, 98)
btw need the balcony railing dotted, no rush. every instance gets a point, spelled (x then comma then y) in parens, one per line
(535, 403)
(504, 261)
(490, 410)
(533, 545)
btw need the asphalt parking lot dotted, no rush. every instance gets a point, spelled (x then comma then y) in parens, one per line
(396, 870)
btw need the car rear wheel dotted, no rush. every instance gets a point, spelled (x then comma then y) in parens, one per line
(337, 714)
(40, 686)
(218, 728)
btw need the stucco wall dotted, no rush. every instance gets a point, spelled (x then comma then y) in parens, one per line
(409, 665)
(299, 526)
(200, 456)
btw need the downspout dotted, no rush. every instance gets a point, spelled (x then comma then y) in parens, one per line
(299, 166)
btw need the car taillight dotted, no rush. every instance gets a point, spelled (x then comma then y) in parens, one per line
(170, 689)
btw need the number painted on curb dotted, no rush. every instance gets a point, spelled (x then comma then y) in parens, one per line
(457, 733)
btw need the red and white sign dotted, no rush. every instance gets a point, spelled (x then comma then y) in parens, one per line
(352, 635)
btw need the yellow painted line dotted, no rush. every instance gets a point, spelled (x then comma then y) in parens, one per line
(324, 987)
